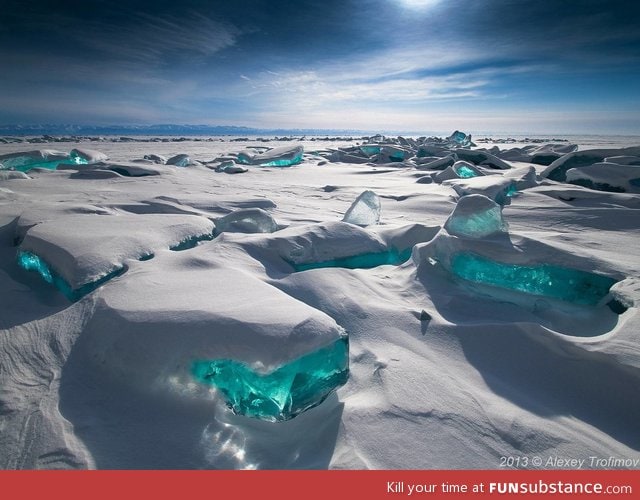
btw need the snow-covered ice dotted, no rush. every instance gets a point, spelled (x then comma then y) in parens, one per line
(183, 318)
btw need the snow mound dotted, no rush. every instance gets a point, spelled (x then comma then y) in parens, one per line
(557, 171)
(606, 176)
(524, 177)
(6, 175)
(82, 249)
(174, 321)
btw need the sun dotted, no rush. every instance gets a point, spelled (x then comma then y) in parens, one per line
(418, 4)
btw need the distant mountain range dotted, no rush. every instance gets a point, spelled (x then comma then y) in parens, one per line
(162, 129)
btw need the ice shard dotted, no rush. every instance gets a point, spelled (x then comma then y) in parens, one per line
(394, 153)
(571, 285)
(475, 216)
(460, 138)
(247, 220)
(459, 170)
(364, 211)
(181, 160)
(465, 171)
(283, 393)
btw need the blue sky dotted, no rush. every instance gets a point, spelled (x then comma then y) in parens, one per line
(515, 66)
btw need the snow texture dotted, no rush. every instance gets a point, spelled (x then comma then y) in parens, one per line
(459, 355)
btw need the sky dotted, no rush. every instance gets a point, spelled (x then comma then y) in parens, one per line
(521, 66)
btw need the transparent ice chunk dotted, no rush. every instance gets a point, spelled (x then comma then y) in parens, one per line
(181, 160)
(283, 393)
(571, 285)
(475, 216)
(247, 220)
(364, 211)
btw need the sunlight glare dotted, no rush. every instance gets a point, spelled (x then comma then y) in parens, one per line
(418, 4)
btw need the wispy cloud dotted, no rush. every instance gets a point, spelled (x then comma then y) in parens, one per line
(150, 38)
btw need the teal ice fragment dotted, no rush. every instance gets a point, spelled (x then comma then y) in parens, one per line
(460, 138)
(276, 157)
(465, 172)
(570, 285)
(75, 158)
(284, 392)
(191, 242)
(25, 161)
(363, 261)
(370, 150)
(244, 158)
(32, 262)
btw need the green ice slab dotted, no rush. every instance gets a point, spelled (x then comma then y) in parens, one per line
(364, 261)
(370, 150)
(545, 280)
(31, 262)
(191, 242)
(284, 392)
(465, 172)
(283, 162)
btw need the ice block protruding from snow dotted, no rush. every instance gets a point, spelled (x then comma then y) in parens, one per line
(284, 392)
(498, 188)
(607, 176)
(247, 220)
(156, 158)
(364, 211)
(475, 216)
(86, 156)
(26, 160)
(459, 170)
(181, 160)
(284, 156)
(460, 138)
(571, 285)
